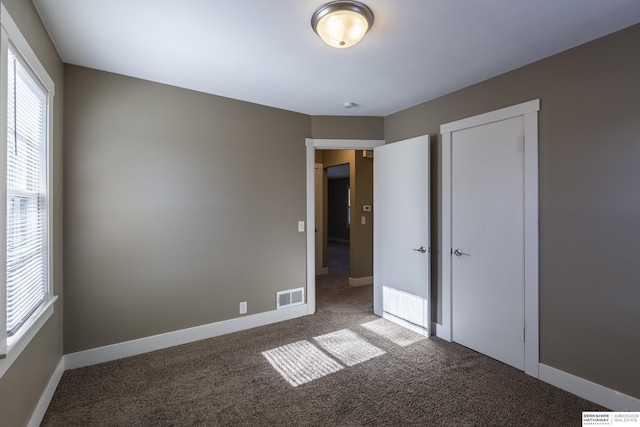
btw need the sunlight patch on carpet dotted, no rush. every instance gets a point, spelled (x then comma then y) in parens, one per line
(393, 332)
(348, 347)
(301, 362)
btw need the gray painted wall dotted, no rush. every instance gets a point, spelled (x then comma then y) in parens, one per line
(353, 127)
(22, 385)
(179, 205)
(363, 186)
(589, 205)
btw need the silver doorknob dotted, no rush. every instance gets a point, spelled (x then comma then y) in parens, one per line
(421, 249)
(458, 252)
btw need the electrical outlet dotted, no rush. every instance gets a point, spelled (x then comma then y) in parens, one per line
(243, 307)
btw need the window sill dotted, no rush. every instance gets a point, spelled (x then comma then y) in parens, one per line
(17, 343)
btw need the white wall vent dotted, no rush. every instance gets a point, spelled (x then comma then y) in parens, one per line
(289, 298)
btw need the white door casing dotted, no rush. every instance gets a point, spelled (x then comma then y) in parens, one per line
(528, 115)
(401, 233)
(311, 146)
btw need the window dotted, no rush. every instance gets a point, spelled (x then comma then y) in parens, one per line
(26, 100)
(26, 251)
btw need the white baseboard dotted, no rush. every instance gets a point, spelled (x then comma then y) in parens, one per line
(597, 393)
(47, 395)
(609, 398)
(360, 281)
(184, 336)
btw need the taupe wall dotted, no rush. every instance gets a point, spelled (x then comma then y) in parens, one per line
(179, 205)
(589, 205)
(355, 127)
(22, 386)
(363, 233)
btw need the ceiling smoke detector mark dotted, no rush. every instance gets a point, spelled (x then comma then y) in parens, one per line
(350, 104)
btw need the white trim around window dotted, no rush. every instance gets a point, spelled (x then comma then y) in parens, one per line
(12, 38)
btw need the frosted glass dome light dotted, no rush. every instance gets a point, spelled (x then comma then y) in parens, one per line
(342, 24)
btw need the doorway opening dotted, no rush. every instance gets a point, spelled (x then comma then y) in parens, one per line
(401, 290)
(344, 231)
(316, 150)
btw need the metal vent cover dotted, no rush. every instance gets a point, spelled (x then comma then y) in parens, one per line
(289, 298)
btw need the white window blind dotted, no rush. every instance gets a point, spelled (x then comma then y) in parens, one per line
(26, 252)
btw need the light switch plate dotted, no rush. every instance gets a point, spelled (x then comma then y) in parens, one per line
(301, 226)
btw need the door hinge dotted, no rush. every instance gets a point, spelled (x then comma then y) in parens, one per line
(524, 335)
(522, 144)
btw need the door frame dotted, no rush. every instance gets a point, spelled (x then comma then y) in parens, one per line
(313, 145)
(529, 112)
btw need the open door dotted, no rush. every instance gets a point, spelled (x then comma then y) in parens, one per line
(401, 233)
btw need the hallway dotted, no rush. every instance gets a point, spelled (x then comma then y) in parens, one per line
(333, 290)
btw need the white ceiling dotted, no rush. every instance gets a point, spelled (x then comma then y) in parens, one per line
(264, 51)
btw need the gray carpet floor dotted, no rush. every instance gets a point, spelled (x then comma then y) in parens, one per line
(226, 381)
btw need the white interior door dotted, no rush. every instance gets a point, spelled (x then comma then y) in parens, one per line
(401, 233)
(487, 236)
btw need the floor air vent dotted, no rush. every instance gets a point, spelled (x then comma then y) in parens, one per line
(289, 298)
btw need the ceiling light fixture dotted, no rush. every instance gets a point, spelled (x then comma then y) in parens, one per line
(342, 23)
